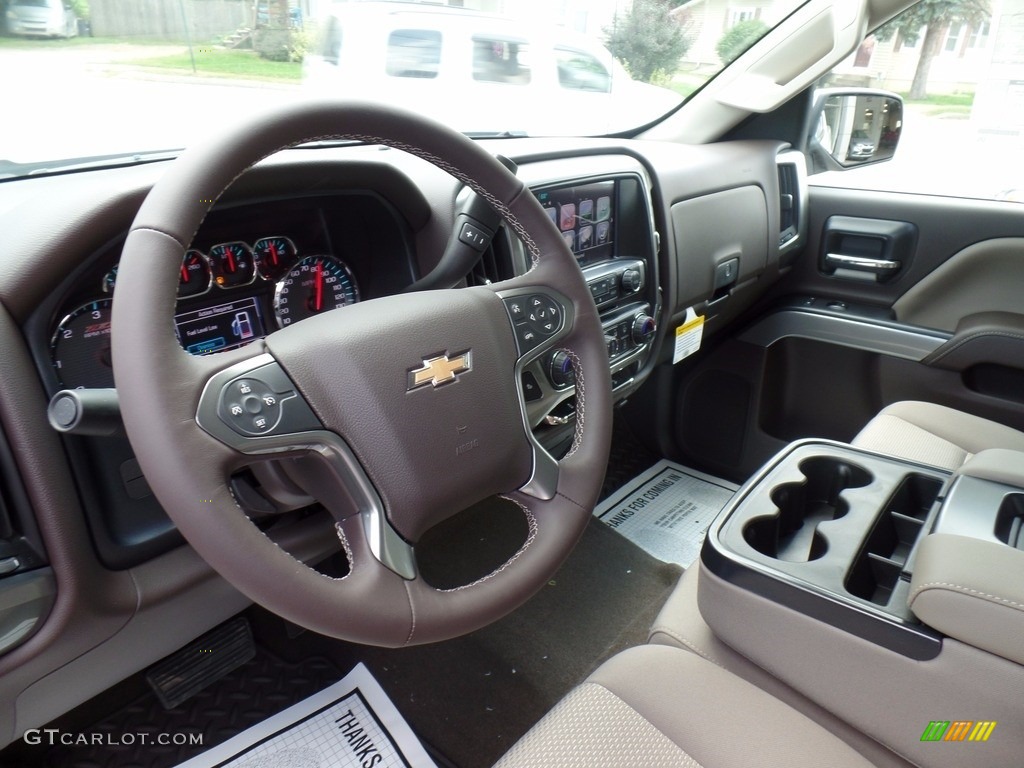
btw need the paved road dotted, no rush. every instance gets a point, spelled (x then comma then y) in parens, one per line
(89, 100)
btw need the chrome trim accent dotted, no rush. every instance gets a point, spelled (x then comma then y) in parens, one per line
(543, 481)
(386, 545)
(861, 262)
(906, 342)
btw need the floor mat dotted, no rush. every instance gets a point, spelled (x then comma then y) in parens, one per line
(666, 510)
(351, 724)
(468, 699)
(472, 697)
(263, 686)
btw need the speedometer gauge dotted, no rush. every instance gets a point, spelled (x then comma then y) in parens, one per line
(81, 347)
(315, 284)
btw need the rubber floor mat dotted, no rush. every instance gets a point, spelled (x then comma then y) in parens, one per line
(129, 737)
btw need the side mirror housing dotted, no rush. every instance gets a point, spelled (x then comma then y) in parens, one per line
(851, 127)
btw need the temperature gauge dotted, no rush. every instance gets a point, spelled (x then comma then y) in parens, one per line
(232, 264)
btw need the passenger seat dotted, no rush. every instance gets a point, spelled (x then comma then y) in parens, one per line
(659, 707)
(934, 434)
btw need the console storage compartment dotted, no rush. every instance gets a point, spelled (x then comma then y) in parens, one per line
(876, 571)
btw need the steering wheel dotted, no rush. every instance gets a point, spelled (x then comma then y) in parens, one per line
(412, 404)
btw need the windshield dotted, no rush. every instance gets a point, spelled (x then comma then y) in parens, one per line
(103, 80)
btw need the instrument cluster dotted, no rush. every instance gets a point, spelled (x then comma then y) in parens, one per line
(228, 296)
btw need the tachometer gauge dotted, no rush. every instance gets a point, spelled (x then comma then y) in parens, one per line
(274, 255)
(81, 347)
(196, 276)
(232, 264)
(315, 284)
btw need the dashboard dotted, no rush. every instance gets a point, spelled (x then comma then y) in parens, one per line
(252, 268)
(309, 231)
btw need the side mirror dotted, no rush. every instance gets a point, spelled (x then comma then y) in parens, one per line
(851, 127)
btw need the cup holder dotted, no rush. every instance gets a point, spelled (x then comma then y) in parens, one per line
(791, 533)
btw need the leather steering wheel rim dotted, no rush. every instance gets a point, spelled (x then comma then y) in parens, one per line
(187, 448)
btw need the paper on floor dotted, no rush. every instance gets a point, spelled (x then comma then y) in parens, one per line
(351, 724)
(666, 510)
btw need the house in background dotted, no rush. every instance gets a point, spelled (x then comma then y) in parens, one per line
(961, 63)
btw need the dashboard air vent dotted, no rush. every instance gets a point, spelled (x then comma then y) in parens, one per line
(792, 199)
(787, 202)
(495, 263)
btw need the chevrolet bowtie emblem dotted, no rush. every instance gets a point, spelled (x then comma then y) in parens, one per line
(439, 370)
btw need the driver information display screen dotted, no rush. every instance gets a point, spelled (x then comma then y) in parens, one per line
(584, 214)
(222, 326)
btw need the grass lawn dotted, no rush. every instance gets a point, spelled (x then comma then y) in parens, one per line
(220, 61)
(949, 105)
(944, 100)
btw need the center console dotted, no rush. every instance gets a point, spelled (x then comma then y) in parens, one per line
(831, 531)
(847, 578)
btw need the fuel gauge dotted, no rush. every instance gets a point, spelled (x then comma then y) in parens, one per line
(274, 256)
(232, 264)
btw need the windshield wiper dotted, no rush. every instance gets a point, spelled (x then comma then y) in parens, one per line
(12, 170)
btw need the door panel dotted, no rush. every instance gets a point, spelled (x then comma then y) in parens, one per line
(946, 226)
(984, 277)
(832, 347)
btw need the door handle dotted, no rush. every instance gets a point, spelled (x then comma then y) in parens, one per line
(861, 263)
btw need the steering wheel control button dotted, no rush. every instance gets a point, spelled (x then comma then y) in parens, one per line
(264, 402)
(531, 389)
(474, 236)
(516, 308)
(535, 317)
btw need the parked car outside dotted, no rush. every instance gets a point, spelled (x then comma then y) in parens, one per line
(41, 18)
(483, 72)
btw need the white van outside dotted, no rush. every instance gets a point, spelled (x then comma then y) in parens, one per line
(41, 18)
(480, 72)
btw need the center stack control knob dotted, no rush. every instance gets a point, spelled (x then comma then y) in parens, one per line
(643, 329)
(631, 280)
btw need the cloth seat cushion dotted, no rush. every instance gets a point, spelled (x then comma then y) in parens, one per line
(934, 434)
(658, 706)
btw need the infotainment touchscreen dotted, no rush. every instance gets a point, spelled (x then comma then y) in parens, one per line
(585, 215)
